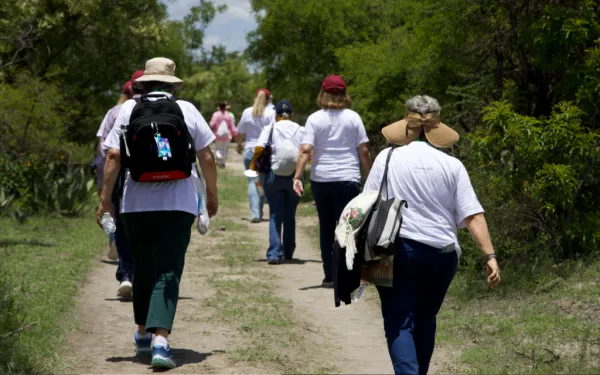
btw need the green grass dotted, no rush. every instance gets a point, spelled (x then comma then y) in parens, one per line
(43, 264)
(525, 330)
(245, 299)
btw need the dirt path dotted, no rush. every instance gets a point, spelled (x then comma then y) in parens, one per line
(348, 339)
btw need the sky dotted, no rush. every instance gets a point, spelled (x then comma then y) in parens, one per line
(229, 28)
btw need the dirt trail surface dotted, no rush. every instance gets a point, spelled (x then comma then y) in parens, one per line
(348, 339)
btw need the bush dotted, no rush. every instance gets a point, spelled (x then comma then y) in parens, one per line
(34, 185)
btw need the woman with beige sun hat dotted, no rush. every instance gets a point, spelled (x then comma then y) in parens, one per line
(158, 137)
(441, 201)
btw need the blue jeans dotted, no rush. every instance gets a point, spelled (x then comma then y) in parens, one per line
(331, 198)
(422, 275)
(125, 267)
(256, 201)
(282, 206)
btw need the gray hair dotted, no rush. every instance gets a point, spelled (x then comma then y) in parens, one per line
(423, 105)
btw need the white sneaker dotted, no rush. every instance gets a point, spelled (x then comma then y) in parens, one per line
(125, 289)
(112, 251)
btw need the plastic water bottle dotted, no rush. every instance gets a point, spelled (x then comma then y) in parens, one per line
(355, 296)
(108, 223)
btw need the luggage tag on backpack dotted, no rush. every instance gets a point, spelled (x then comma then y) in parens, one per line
(163, 146)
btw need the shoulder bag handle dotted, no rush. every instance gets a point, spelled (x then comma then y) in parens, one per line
(384, 181)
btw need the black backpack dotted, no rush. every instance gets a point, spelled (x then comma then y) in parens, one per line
(157, 145)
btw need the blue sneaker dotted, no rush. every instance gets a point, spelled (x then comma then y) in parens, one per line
(162, 358)
(143, 345)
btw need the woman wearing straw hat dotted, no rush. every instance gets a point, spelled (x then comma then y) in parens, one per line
(251, 124)
(158, 216)
(337, 138)
(441, 200)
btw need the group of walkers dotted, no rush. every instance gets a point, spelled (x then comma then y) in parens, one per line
(152, 140)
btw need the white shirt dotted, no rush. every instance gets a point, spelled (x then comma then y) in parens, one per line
(252, 125)
(106, 126)
(178, 195)
(436, 187)
(335, 135)
(284, 129)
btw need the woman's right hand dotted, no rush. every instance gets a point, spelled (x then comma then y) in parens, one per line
(298, 187)
(493, 272)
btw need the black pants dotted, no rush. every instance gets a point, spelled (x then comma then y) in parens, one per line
(331, 198)
(158, 242)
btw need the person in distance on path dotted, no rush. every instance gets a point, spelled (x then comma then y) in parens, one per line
(223, 126)
(125, 267)
(440, 200)
(157, 136)
(253, 120)
(284, 136)
(338, 141)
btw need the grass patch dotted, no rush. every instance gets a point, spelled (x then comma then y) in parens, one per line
(43, 264)
(552, 328)
(245, 297)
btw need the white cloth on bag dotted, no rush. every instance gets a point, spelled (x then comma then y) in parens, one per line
(437, 188)
(177, 195)
(335, 135)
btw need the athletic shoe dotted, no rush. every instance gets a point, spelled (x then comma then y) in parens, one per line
(143, 345)
(112, 250)
(125, 288)
(273, 261)
(327, 284)
(255, 220)
(162, 358)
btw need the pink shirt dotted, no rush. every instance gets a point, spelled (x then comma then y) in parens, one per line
(216, 120)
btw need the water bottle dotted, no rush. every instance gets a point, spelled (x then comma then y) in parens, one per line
(355, 296)
(108, 223)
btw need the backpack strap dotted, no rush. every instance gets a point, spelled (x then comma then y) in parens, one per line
(384, 182)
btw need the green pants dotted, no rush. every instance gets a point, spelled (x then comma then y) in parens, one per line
(158, 241)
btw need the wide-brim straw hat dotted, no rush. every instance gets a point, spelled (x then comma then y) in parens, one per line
(408, 129)
(160, 69)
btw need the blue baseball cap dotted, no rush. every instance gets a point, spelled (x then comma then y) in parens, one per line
(284, 107)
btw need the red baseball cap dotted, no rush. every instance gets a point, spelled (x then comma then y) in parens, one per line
(334, 85)
(127, 88)
(267, 92)
(136, 75)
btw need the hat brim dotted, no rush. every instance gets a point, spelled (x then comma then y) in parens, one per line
(159, 78)
(441, 136)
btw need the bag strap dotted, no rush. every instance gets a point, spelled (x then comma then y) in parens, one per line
(270, 141)
(384, 181)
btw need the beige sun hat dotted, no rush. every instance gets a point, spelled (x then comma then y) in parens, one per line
(408, 129)
(160, 69)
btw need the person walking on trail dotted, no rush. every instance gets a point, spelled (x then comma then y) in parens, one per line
(158, 137)
(118, 241)
(223, 127)
(284, 137)
(440, 200)
(253, 120)
(338, 141)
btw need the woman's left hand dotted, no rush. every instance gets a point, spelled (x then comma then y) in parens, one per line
(105, 206)
(298, 187)
(493, 272)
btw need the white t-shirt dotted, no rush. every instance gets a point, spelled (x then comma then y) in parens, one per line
(335, 135)
(436, 187)
(107, 125)
(284, 129)
(252, 125)
(178, 195)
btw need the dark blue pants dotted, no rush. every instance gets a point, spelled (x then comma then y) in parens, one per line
(331, 198)
(422, 275)
(283, 202)
(125, 267)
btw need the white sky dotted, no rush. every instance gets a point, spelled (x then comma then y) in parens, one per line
(229, 28)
